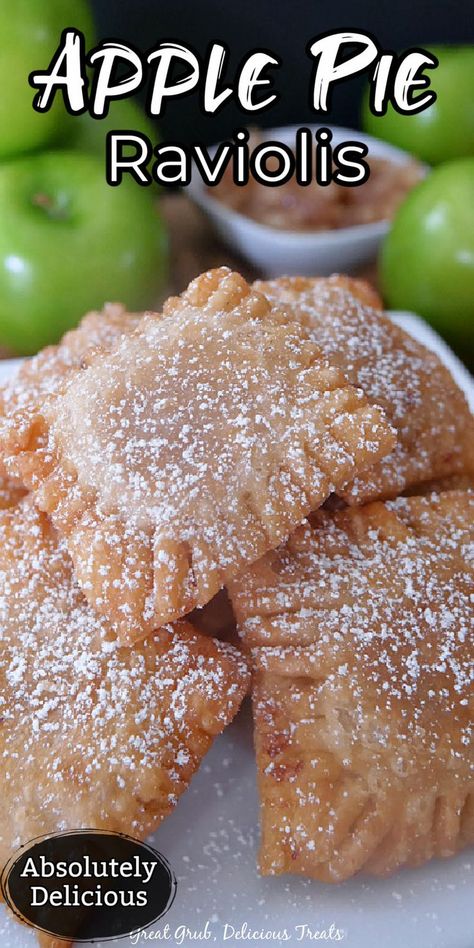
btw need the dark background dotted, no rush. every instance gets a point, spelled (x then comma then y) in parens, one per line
(285, 27)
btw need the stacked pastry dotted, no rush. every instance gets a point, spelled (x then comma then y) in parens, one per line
(151, 461)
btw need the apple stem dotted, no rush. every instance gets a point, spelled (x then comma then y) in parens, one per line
(47, 203)
(43, 200)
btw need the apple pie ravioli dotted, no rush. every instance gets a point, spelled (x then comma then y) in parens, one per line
(93, 734)
(361, 635)
(435, 429)
(194, 447)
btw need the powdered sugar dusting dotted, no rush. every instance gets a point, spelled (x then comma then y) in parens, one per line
(45, 373)
(92, 734)
(361, 636)
(434, 426)
(198, 444)
(10, 492)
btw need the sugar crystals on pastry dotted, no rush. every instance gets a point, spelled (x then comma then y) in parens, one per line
(362, 290)
(435, 429)
(361, 635)
(10, 491)
(39, 377)
(93, 734)
(199, 443)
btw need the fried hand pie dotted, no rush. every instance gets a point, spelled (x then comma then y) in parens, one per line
(361, 634)
(198, 444)
(93, 734)
(435, 429)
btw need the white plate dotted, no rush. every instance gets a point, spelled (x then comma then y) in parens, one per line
(274, 251)
(211, 841)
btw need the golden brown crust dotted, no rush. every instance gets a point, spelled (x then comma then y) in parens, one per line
(93, 734)
(362, 290)
(10, 492)
(43, 375)
(464, 481)
(198, 444)
(289, 288)
(435, 429)
(360, 630)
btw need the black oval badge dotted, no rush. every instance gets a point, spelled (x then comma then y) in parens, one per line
(88, 885)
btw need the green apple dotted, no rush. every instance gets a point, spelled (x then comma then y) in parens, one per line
(88, 134)
(30, 34)
(445, 130)
(68, 243)
(427, 261)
